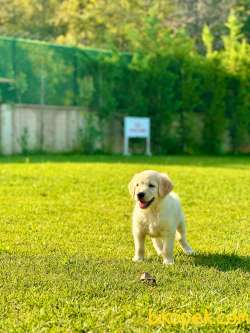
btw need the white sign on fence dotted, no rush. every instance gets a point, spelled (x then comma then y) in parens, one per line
(136, 127)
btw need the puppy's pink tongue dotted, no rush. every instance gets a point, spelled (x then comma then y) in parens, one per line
(142, 204)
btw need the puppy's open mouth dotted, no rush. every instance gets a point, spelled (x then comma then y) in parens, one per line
(145, 204)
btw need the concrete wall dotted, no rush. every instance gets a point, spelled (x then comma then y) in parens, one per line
(39, 128)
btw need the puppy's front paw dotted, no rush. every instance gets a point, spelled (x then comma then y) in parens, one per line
(137, 259)
(168, 261)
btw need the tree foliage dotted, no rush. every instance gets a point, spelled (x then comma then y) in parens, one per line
(105, 23)
(100, 23)
(30, 18)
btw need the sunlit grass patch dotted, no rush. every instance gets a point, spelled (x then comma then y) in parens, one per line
(66, 246)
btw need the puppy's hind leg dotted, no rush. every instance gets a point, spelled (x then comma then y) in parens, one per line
(181, 237)
(158, 245)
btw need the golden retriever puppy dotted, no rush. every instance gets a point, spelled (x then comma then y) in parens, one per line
(157, 213)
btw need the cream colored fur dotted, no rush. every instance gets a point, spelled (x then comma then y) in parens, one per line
(162, 220)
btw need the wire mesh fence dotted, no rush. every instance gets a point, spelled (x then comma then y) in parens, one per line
(40, 73)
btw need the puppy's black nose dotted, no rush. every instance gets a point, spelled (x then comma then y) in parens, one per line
(140, 195)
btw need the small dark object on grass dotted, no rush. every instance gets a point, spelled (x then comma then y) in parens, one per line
(146, 277)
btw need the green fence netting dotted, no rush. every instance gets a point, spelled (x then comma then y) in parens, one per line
(40, 73)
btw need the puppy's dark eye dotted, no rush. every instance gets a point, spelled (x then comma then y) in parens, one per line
(151, 185)
(137, 184)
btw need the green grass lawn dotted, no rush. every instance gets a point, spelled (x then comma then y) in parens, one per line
(66, 247)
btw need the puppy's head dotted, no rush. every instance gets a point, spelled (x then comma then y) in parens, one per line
(148, 187)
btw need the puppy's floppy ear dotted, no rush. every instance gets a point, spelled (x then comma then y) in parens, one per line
(131, 187)
(165, 185)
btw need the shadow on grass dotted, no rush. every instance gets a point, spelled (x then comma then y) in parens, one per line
(200, 161)
(223, 262)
